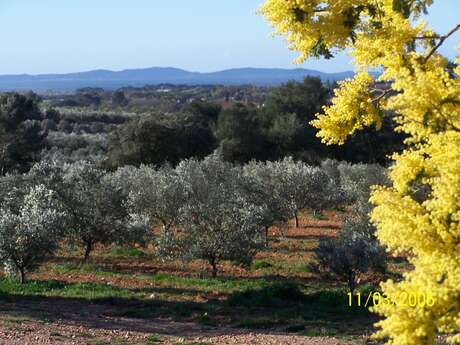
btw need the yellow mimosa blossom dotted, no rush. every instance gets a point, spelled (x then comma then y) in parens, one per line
(420, 88)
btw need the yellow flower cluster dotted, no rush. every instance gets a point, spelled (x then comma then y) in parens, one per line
(420, 213)
(352, 110)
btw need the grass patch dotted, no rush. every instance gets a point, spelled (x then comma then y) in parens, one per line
(289, 268)
(83, 268)
(125, 252)
(291, 308)
(91, 291)
(261, 264)
(220, 285)
(318, 216)
(153, 339)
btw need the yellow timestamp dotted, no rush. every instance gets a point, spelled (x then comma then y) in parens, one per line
(403, 299)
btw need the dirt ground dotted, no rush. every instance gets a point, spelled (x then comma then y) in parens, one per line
(66, 321)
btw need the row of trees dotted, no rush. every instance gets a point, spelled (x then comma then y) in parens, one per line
(276, 129)
(21, 136)
(164, 98)
(209, 209)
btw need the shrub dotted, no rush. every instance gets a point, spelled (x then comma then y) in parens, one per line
(31, 224)
(354, 252)
(126, 252)
(261, 264)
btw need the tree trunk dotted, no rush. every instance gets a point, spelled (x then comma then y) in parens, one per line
(164, 230)
(316, 214)
(88, 250)
(214, 267)
(266, 236)
(22, 275)
(296, 216)
(351, 283)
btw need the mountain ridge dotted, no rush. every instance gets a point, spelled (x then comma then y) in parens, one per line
(160, 75)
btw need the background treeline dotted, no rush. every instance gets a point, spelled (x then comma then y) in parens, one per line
(273, 125)
(164, 98)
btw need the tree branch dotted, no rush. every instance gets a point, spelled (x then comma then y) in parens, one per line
(382, 95)
(441, 41)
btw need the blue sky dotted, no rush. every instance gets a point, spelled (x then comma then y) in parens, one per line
(56, 36)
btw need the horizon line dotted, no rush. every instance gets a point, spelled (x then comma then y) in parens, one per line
(172, 67)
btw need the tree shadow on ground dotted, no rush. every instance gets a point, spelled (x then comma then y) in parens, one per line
(281, 306)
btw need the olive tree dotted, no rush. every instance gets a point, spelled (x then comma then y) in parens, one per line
(155, 195)
(219, 219)
(158, 195)
(124, 178)
(356, 180)
(96, 206)
(31, 224)
(266, 191)
(300, 186)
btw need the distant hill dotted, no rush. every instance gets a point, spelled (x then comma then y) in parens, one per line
(159, 75)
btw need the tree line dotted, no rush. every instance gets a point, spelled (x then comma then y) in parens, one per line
(276, 128)
(206, 209)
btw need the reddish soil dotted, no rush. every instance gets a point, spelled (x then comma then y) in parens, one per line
(65, 321)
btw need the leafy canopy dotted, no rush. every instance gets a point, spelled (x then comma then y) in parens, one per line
(420, 88)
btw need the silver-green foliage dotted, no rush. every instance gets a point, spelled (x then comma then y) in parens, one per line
(293, 186)
(356, 250)
(31, 224)
(220, 219)
(156, 194)
(96, 206)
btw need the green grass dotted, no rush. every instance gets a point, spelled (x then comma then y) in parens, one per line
(261, 264)
(253, 304)
(52, 288)
(125, 252)
(288, 268)
(318, 216)
(84, 268)
(219, 285)
(153, 339)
